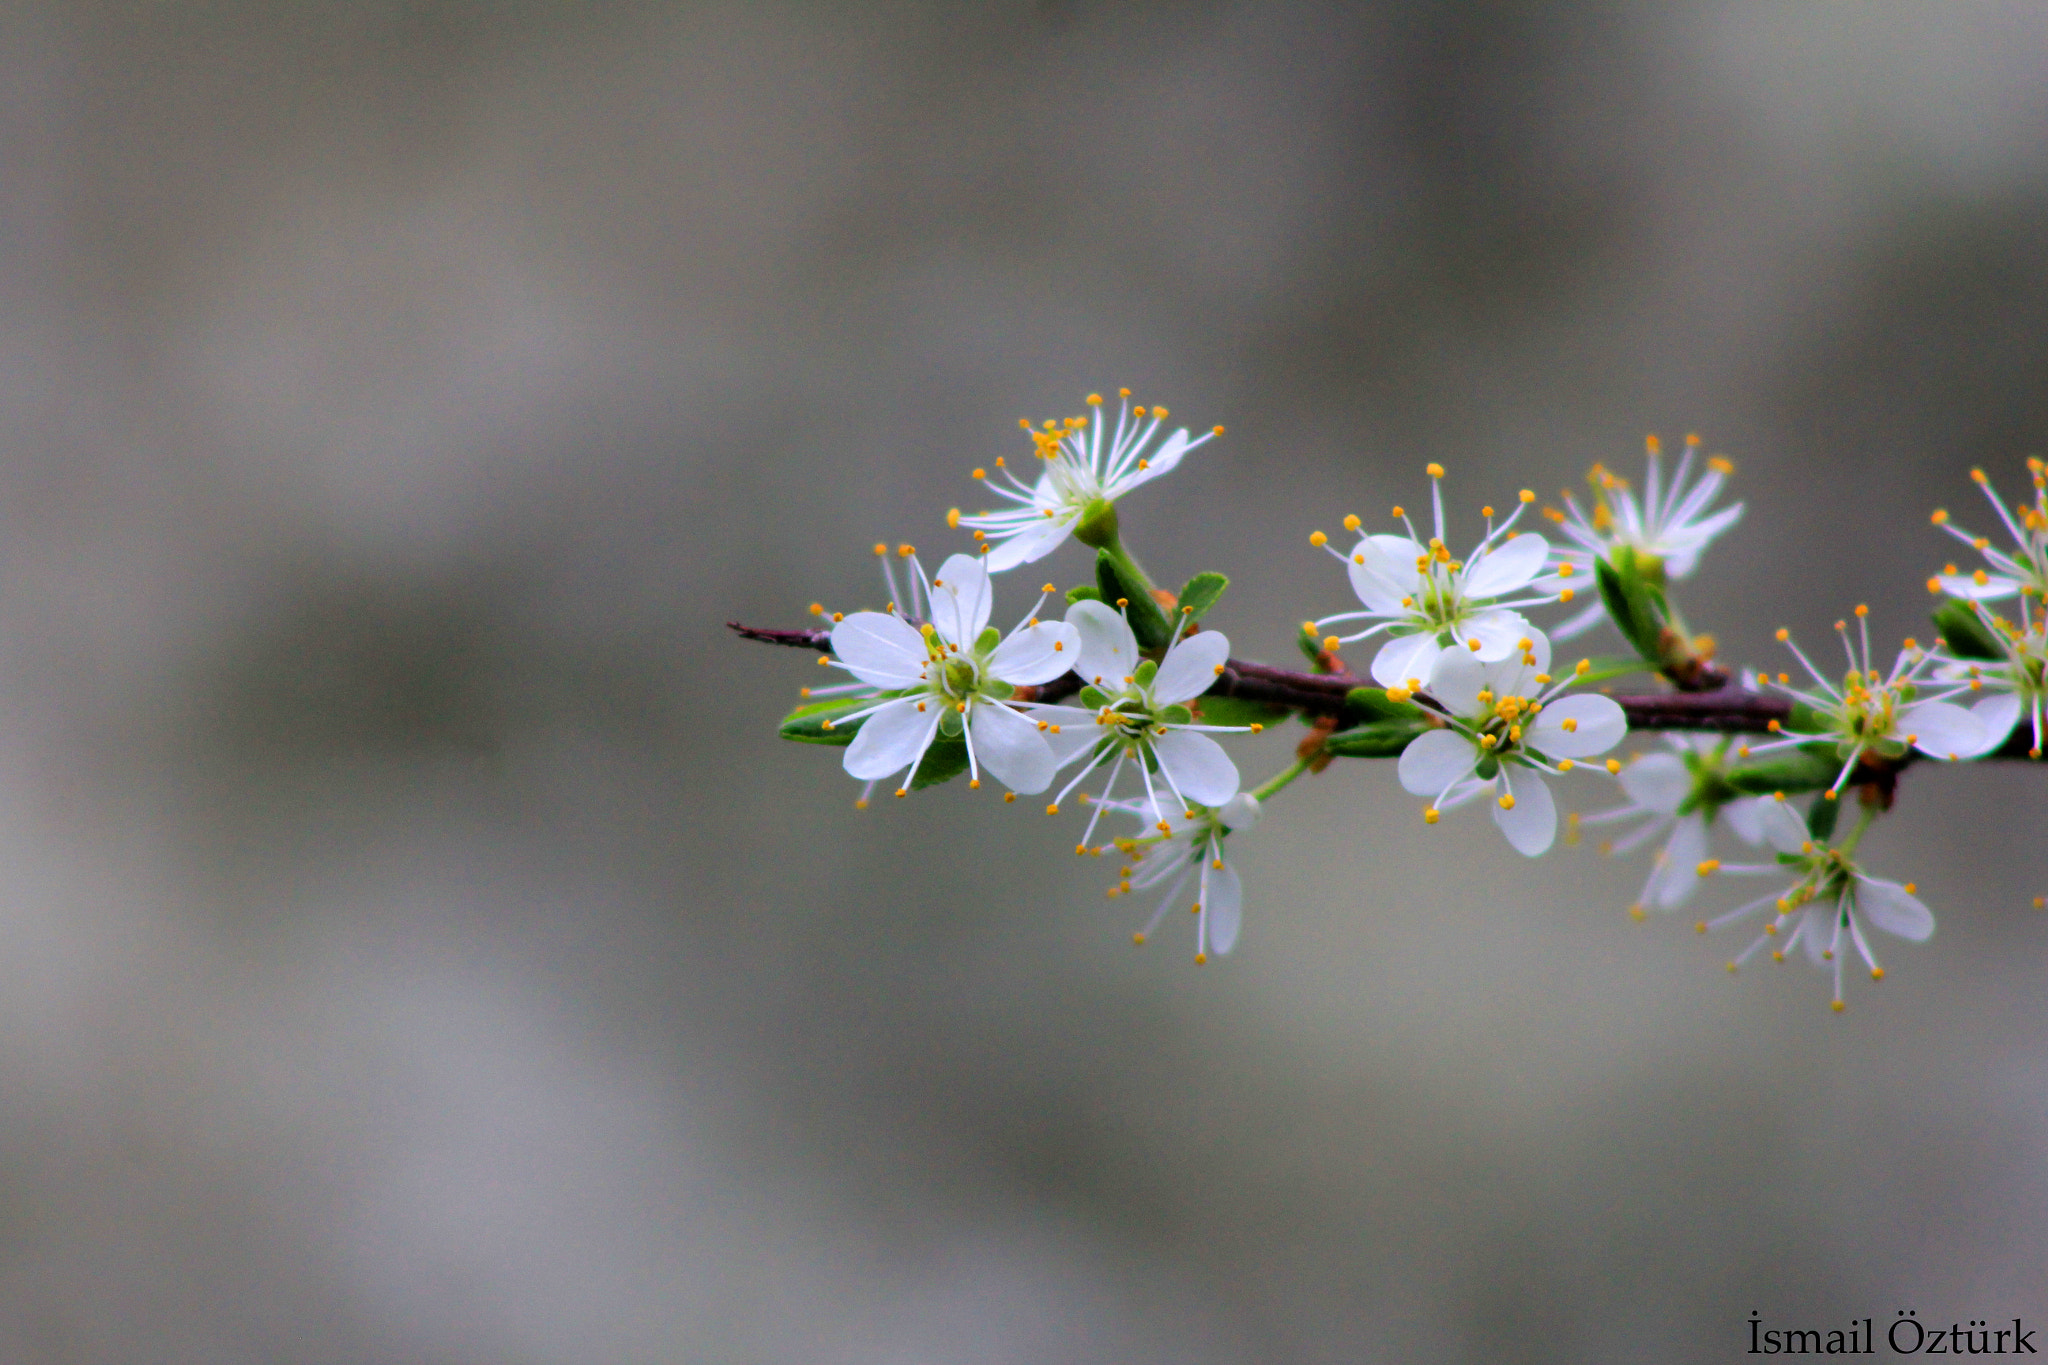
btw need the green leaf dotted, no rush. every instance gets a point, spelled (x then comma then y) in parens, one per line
(806, 724)
(1310, 646)
(1201, 593)
(1119, 581)
(1083, 592)
(1636, 603)
(1373, 704)
(1967, 636)
(1236, 711)
(1796, 770)
(944, 761)
(1379, 739)
(1820, 818)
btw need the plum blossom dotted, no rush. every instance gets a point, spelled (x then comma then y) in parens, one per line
(1084, 472)
(1681, 796)
(1507, 724)
(2023, 569)
(1426, 602)
(1177, 845)
(950, 676)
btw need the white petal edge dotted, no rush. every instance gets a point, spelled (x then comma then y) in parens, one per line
(1532, 824)
(880, 650)
(1190, 667)
(1198, 766)
(1433, 760)
(1013, 749)
(890, 740)
(1892, 908)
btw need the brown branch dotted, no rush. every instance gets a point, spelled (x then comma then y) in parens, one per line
(1727, 710)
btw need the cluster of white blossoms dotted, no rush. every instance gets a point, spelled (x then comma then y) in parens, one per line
(1118, 703)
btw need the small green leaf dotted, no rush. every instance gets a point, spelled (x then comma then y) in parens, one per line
(1797, 770)
(1120, 582)
(1966, 635)
(1820, 818)
(806, 724)
(944, 761)
(989, 638)
(1083, 592)
(1236, 711)
(1094, 696)
(1379, 739)
(1310, 646)
(1146, 672)
(1201, 593)
(1177, 715)
(1373, 704)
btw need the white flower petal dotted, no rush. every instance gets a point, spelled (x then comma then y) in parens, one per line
(1162, 462)
(1077, 730)
(960, 599)
(1037, 654)
(1456, 681)
(1387, 573)
(1507, 566)
(882, 651)
(891, 739)
(1532, 824)
(1500, 634)
(1781, 825)
(1893, 909)
(1197, 765)
(1942, 729)
(1746, 817)
(1818, 930)
(1240, 812)
(1012, 748)
(1599, 725)
(1658, 782)
(1189, 668)
(1404, 657)
(1109, 652)
(1997, 713)
(1991, 589)
(1679, 874)
(1031, 544)
(1223, 907)
(1433, 760)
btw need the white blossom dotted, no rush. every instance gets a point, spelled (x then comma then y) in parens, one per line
(2004, 691)
(1666, 529)
(1507, 724)
(1176, 846)
(1425, 601)
(1084, 470)
(1827, 906)
(1681, 796)
(1136, 713)
(952, 675)
(1868, 713)
(2023, 569)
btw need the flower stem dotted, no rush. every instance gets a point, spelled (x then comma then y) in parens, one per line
(1279, 780)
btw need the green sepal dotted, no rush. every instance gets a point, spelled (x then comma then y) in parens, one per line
(1965, 633)
(1119, 580)
(1311, 647)
(1097, 526)
(1796, 770)
(806, 724)
(951, 722)
(989, 638)
(1804, 720)
(1236, 711)
(1820, 818)
(945, 760)
(1635, 603)
(1373, 704)
(1487, 768)
(1201, 593)
(1145, 672)
(1378, 739)
(1083, 592)
(998, 689)
(1094, 696)
(1177, 715)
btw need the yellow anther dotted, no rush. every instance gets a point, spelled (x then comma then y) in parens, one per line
(1430, 815)
(900, 791)
(1709, 867)
(961, 707)
(1700, 927)
(1862, 610)
(830, 726)
(1330, 643)
(1352, 522)
(1565, 765)
(1637, 912)
(1360, 559)
(1583, 667)
(1486, 512)
(1257, 728)
(1507, 800)
(1912, 887)
(1434, 470)
(1977, 475)
(1838, 1006)
(1613, 765)
(1472, 645)
(1566, 594)
(1318, 539)
(905, 550)
(824, 659)
(1201, 958)
(1308, 627)
(1009, 797)
(861, 804)
(1783, 635)
(1094, 399)
(1399, 513)
(1569, 725)
(1526, 495)
(1053, 809)
(1980, 578)
(1398, 694)
(1720, 465)
(838, 616)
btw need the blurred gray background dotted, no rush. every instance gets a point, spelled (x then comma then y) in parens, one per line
(420, 949)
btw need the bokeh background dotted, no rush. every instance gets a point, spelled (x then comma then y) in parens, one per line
(420, 949)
